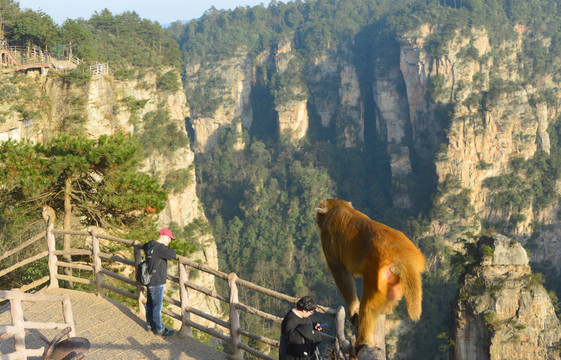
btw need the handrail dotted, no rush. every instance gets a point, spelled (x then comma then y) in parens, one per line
(231, 331)
(24, 245)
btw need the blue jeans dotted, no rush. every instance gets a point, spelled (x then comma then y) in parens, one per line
(154, 301)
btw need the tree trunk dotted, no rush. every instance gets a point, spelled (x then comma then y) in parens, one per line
(66, 227)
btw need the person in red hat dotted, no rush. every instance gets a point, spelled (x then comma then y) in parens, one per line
(157, 256)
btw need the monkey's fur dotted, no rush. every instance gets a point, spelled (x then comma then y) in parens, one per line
(48, 214)
(388, 262)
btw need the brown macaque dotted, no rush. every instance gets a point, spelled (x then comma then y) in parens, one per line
(48, 214)
(388, 262)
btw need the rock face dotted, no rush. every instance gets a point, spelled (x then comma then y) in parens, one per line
(502, 311)
(234, 78)
(458, 115)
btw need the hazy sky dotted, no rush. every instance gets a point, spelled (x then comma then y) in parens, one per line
(163, 11)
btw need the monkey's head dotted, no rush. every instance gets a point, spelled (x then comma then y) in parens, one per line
(326, 205)
(48, 213)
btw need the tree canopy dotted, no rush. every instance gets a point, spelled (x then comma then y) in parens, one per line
(124, 40)
(99, 177)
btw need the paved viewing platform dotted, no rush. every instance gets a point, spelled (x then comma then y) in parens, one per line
(113, 330)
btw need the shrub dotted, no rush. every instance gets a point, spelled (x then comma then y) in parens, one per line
(125, 74)
(178, 180)
(161, 134)
(169, 82)
(79, 76)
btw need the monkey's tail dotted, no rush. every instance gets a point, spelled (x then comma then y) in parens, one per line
(411, 285)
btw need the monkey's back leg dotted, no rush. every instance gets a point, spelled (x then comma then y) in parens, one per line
(346, 284)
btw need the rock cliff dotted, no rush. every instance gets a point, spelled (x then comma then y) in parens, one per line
(465, 110)
(502, 311)
(457, 117)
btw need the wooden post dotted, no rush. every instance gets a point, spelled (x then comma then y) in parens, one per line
(140, 289)
(97, 265)
(380, 333)
(67, 227)
(339, 334)
(234, 319)
(377, 352)
(185, 330)
(49, 216)
(67, 314)
(17, 321)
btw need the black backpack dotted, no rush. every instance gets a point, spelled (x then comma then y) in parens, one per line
(143, 273)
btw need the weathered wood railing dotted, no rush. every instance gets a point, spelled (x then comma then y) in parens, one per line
(232, 332)
(17, 329)
(27, 261)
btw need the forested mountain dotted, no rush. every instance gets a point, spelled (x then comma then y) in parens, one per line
(439, 118)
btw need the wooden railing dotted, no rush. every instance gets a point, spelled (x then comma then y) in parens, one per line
(29, 260)
(98, 68)
(230, 332)
(17, 329)
(23, 55)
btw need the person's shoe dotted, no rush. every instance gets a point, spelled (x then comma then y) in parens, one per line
(148, 328)
(165, 332)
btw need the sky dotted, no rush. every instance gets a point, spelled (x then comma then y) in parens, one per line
(163, 11)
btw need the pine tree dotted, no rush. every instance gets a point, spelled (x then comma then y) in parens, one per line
(96, 181)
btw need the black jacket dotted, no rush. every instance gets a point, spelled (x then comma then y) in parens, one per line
(298, 338)
(157, 256)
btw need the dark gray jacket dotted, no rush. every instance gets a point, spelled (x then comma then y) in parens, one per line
(157, 256)
(298, 338)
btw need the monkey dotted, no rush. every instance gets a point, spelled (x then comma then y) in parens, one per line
(388, 262)
(48, 214)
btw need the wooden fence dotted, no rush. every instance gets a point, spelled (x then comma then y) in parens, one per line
(231, 332)
(29, 56)
(17, 329)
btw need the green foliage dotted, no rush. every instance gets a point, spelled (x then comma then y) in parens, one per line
(105, 187)
(169, 81)
(125, 74)
(425, 336)
(161, 134)
(208, 94)
(490, 318)
(534, 279)
(178, 180)
(78, 76)
(467, 257)
(260, 203)
(187, 239)
(487, 251)
(288, 87)
(530, 184)
(483, 165)
(495, 289)
(315, 26)
(469, 52)
(35, 28)
(260, 200)
(123, 40)
(8, 92)
(134, 106)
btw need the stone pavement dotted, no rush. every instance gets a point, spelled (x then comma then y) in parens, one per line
(114, 331)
